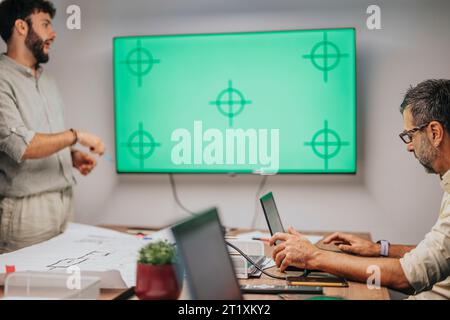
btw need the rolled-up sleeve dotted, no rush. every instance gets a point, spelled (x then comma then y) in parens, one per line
(429, 262)
(15, 137)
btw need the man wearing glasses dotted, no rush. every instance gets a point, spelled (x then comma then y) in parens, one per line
(422, 270)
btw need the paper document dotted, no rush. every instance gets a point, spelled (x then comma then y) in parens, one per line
(87, 247)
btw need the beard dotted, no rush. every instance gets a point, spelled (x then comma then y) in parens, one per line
(36, 44)
(426, 154)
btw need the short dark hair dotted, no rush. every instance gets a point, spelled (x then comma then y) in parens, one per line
(12, 10)
(429, 101)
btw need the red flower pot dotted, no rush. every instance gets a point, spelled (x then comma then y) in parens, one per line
(158, 282)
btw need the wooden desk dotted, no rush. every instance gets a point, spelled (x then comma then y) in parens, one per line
(355, 291)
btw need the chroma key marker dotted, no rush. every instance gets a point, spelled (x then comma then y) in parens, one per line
(10, 269)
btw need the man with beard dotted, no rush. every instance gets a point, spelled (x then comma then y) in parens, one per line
(423, 270)
(36, 151)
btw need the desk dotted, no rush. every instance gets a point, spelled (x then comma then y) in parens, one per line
(355, 291)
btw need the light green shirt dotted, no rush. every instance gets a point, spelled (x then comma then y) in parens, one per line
(29, 105)
(427, 267)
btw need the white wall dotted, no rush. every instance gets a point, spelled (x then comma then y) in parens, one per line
(391, 196)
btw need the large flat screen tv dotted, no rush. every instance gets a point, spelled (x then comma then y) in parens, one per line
(251, 102)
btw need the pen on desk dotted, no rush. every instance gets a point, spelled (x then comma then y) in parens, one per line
(143, 236)
(261, 239)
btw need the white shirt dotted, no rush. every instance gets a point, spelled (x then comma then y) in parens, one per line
(427, 267)
(29, 105)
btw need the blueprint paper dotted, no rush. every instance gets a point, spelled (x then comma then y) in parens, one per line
(90, 248)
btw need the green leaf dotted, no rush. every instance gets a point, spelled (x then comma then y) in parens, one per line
(158, 253)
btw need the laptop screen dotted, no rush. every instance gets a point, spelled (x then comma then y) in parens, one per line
(271, 213)
(205, 257)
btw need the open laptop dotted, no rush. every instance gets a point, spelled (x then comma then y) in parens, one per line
(209, 270)
(208, 266)
(271, 213)
(274, 221)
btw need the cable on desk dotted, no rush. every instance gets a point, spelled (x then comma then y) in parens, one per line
(175, 195)
(254, 263)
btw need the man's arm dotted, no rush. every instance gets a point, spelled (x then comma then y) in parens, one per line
(350, 243)
(296, 250)
(355, 268)
(21, 143)
(399, 250)
(45, 145)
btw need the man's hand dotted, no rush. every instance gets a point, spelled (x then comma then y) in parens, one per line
(294, 250)
(354, 245)
(91, 141)
(83, 162)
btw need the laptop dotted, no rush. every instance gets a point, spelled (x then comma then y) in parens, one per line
(208, 266)
(271, 213)
(275, 225)
(209, 270)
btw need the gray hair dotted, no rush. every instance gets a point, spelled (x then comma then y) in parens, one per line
(429, 101)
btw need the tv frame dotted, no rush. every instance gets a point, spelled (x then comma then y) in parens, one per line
(239, 172)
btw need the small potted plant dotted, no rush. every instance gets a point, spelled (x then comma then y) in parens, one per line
(158, 276)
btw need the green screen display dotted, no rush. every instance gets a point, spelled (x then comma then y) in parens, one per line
(270, 102)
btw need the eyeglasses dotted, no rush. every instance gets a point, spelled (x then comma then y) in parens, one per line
(407, 136)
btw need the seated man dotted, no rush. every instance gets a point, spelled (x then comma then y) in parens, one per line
(423, 270)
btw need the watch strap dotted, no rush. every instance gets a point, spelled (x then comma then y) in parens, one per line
(384, 248)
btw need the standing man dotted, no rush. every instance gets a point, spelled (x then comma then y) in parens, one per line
(36, 154)
(423, 270)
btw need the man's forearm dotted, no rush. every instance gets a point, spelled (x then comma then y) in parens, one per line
(45, 145)
(398, 250)
(355, 268)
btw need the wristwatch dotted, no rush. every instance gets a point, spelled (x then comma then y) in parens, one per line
(384, 246)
